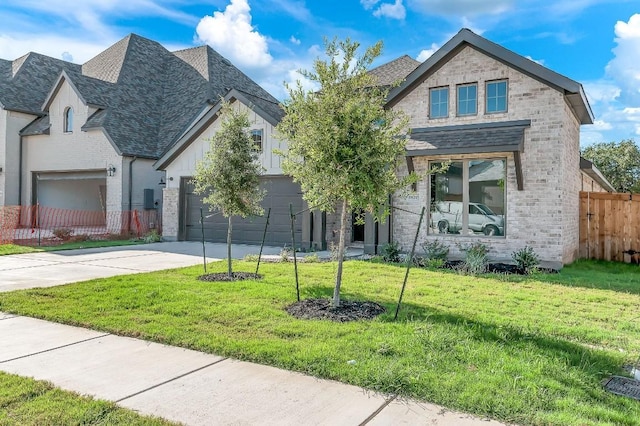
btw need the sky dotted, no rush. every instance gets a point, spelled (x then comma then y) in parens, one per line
(595, 42)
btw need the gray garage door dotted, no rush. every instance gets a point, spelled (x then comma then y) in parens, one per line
(281, 191)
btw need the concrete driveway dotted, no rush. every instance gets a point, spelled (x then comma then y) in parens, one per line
(55, 268)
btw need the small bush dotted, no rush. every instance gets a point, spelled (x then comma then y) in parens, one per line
(526, 259)
(80, 238)
(391, 252)
(152, 237)
(312, 258)
(284, 254)
(434, 263)
(435, 250)
(251, 257)
(63, 233)
(476, 260)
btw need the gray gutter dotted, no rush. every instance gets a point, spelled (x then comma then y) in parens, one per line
(592, 171)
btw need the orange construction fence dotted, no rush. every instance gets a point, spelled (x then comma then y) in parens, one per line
(33, 225)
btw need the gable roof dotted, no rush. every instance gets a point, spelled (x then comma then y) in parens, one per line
(393, 71)
(145, 96)
(26, 81)
(207, 117)
(572, 90)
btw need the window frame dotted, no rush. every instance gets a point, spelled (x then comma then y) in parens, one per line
(466, 203)
(506, 96)
(458, 100)
(432, 90)
(67, 122)
(258, 146)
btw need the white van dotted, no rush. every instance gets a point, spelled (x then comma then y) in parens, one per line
(446, 216)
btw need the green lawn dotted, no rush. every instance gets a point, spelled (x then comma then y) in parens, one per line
(529, 350)
(28, 402)
(6, 249)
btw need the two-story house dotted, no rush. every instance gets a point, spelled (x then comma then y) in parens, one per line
(509, 128)
(84, 138)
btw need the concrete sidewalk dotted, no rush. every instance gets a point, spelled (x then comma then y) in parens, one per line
(196, 388)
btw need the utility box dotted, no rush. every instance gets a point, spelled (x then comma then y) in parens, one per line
(149, 201)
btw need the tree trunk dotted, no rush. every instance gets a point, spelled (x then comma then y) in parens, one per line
(343, 230)
(229, 250)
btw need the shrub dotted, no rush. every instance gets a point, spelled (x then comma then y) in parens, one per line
(476, 260)
(312, 258)
(152, 237)
(284, 254)
(391, 252)
(435, 250)
(526, 259)
(251, 257)
(434, 263)
(63, 233)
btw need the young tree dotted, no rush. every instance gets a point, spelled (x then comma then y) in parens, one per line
(619, 162)
(343, 144)
(229, 173)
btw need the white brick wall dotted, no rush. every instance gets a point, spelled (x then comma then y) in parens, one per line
(544, 214)
(170, 203)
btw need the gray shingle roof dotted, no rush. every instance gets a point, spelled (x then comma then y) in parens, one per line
(30, 80)
(395, 70)
(39, 126)
(146, 96)
(504, 136)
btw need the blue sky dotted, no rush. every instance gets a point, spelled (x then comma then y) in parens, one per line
(596, 42)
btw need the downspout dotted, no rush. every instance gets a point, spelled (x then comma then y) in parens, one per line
(131, 181)
(20, 174)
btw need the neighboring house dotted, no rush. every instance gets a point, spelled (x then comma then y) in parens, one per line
(510, 130)
(24, 85)
(86, 137)
(183, 208)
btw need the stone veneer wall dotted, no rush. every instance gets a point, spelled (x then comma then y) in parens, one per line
(170, 211)
(543, 214)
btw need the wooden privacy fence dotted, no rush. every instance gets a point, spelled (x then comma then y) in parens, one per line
(610, 226)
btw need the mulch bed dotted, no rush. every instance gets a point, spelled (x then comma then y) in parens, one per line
(235, 276)
(321, 309)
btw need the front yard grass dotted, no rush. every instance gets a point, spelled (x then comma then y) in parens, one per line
(529, 350)
(6, 249)
(28, 402)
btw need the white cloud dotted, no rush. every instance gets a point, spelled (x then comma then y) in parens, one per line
(537, 61)
(602, 91)
(232, 34)
(461, 7)
(393, 11)
(294, 41)
(623, 68)
(368, 4)
(16, 45)
(426, 53)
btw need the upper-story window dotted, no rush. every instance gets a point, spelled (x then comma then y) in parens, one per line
(68, 120)
(467, 99)
(256, 136)
(439, 102)
(496, 96)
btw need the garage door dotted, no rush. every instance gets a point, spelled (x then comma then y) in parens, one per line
(281, 191)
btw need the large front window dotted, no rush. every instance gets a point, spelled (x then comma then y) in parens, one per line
(469, 198)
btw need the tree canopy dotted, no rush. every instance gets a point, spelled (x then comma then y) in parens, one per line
(343, 145)
(619, 162)
(229, 174)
